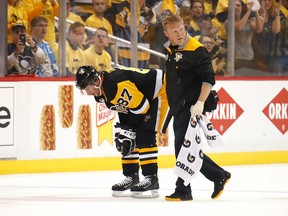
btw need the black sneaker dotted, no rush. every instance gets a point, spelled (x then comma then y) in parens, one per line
(124, 185)
(177, 196)
(219, 186)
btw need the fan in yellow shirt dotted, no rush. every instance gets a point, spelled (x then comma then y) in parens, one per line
(97, 19)
(74, 53)
(47, 9)
(96, 55)
(15, 14)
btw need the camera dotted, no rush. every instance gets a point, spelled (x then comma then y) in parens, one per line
(23, 39)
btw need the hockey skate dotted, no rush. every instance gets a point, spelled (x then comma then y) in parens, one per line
(148, 188)
(122, 189)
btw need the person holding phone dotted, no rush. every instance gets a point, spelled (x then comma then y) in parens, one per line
(23, 54)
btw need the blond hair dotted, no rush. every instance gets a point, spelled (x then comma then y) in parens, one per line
(171, 19)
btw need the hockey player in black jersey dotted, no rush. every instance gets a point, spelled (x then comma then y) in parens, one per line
(139, 98)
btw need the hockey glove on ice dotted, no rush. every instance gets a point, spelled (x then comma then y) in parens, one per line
(126, 141)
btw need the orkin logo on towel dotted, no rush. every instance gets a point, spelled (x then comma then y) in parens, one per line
(277, 111)
(227, 112)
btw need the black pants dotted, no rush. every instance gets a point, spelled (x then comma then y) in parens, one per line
(146, 153)
(209, 168)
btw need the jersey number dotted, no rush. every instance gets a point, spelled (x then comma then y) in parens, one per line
(122, 100)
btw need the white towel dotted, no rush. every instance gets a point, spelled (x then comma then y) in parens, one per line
(190, 157)
(214, 139)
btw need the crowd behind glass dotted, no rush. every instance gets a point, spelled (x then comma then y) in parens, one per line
(261, 34)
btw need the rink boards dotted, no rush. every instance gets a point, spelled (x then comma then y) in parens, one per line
(46, 125)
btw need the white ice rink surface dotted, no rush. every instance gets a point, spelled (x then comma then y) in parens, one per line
(253, 190)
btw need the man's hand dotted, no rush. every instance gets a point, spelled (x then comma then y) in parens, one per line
(197, 109)
(126, 141)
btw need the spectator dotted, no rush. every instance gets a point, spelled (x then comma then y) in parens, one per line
(221, 33)
(245, 26)
(156, 37)
(183, 3)
(205, 26)
(221, 14)
(197, 9)
(209, 6)
(217, 53)
(71, 15)
(74, 52)
(262, 41)
(162, 5)
(15, 13)
(278, 55)
(222, 10)
(39, 27)
(284, 7)
(96, 55)
(185, 12)
(23, 53)
(45, 8)
(97, 19)
(123, 22)
(111, 11)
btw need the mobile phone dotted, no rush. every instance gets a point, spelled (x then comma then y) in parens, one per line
(22, 38)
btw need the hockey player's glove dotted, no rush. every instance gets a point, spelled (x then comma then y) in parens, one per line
(126, 141)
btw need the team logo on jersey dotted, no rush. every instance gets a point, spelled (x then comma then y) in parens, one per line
(81, 71)
(147, 118)
(119, 108)
(178, 56)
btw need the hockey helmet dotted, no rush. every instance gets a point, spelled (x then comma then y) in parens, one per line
(87, 75)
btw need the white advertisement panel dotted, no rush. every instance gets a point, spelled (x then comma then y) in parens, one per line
(252, 115)
(53, 120)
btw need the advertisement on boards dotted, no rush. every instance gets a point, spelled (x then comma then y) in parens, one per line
(6, 116)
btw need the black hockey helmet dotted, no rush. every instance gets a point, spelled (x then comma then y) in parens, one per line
(86, 75)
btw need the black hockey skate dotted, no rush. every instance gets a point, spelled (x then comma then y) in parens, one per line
(148, 188)
(122, 189)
